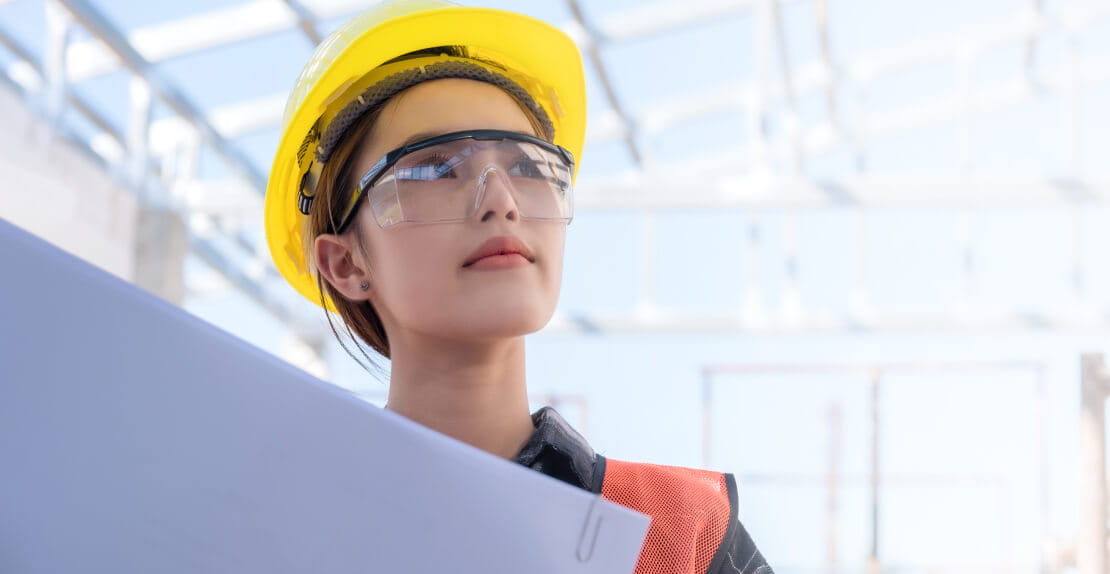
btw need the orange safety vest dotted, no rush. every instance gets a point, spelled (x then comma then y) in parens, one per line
(692, 512)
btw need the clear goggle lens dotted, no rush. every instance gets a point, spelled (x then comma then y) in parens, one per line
(448, 181)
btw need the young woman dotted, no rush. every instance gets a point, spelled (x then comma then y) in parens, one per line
(421, 191)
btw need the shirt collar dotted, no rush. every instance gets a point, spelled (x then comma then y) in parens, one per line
(556, 449)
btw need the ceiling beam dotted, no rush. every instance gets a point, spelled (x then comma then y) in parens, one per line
(98, 25)
(306, 20)
(251, 182)
(231, 24)
(591, 45)
(250, 116)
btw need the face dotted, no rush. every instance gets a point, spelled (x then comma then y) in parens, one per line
(420, 280)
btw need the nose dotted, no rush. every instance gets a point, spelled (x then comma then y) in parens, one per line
(496, 196)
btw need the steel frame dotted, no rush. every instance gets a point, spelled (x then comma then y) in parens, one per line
(876, 478)
(232, 206)
(54, 87)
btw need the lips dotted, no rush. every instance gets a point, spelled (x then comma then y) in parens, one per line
(502, 245)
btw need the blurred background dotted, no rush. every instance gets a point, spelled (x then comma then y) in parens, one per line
(845, 249)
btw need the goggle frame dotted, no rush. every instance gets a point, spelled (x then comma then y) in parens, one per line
(387, 161)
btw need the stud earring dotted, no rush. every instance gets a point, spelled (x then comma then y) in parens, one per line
(364, 285)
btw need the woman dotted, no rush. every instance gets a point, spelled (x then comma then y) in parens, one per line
(421, 191)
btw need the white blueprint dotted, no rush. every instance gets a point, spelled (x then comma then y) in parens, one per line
(137, 438)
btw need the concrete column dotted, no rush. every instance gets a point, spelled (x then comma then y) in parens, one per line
(58, 192)
(161, 242)
(1091, 553)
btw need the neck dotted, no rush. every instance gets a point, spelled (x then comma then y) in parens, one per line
(474, 392)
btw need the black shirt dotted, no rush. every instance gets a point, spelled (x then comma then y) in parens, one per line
(557, 450)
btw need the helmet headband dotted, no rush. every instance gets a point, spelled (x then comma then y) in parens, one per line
(415, 71)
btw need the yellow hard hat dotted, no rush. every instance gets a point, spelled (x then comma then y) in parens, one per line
(534, 55)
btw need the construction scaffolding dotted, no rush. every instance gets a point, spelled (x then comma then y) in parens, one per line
(769, 168)
(878, 479)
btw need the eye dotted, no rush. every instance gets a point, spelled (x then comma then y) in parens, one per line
(527, 167)
(430, 168)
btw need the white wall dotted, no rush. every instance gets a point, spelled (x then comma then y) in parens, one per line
(60, 194)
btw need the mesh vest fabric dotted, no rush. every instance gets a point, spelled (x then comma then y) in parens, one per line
(690, 513)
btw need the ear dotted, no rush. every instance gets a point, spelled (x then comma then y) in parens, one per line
(341, 266)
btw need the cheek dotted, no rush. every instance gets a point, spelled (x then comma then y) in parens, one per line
(554, 276)
(411, 270)
(419, 282)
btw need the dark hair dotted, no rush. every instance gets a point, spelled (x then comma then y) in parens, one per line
(360, 319)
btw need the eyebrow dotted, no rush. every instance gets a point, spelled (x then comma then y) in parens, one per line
(418, 137)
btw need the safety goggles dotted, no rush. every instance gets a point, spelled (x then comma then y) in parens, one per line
(444, 178)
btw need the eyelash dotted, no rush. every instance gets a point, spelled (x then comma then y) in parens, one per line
(434, 159)
(438, 158)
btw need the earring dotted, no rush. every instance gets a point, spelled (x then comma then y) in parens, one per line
(364, 285)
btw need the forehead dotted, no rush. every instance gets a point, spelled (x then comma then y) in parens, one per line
(443, 106)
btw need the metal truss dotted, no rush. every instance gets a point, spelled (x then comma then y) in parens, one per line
(819, 76)
(232, 207)
(50, 83)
